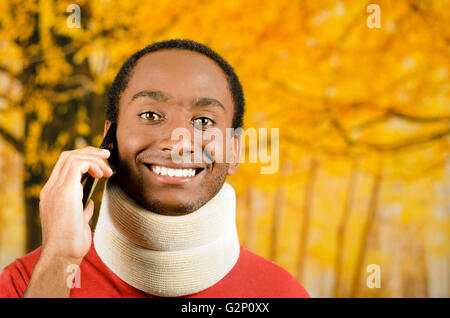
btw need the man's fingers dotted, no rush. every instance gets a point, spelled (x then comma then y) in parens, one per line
(100, 162)
(78, 167)
(62, 166)
(104, 153)
(73, 162)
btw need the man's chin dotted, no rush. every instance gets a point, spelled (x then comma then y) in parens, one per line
(171, 207)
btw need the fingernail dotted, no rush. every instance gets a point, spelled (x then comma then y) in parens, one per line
(106, 151)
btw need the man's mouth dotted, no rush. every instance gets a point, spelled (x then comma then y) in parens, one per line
(174, 175)
(171, 172)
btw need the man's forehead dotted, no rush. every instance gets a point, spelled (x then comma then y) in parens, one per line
(179, 59)
(179, 70)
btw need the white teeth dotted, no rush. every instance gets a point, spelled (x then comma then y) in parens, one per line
(163, 171)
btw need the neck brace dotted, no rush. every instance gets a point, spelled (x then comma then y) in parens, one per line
(168, 256)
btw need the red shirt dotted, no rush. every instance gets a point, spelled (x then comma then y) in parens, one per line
(251, 277)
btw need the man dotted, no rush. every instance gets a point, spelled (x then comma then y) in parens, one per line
(166, 227)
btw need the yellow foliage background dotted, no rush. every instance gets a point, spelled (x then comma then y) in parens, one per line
(363, 116)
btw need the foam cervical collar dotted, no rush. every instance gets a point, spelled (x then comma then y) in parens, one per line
(168, 256)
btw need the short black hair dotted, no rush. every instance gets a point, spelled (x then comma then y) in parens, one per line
(122, 78)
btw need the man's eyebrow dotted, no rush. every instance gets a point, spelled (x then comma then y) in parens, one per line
(157, 95)
(206, 101)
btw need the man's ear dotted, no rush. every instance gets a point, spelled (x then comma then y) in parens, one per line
(107, 124)
(235, 154)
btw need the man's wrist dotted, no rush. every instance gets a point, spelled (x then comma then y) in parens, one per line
(53, 275)
(52, 258)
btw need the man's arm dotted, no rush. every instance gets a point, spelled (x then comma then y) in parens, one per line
(66, 235)
(51, 278)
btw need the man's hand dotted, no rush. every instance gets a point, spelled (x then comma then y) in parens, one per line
(66, 235)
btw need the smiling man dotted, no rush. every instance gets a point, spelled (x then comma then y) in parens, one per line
(166, 227)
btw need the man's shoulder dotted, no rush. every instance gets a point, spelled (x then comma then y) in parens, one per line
(26, 263)
(267, 278)
(266, 268)
(14, 277)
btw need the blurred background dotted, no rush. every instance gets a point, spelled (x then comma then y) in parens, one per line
(361, 97)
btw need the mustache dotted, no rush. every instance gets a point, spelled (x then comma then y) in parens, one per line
(191, 157)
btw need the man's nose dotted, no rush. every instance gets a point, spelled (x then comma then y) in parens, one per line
(177, 137)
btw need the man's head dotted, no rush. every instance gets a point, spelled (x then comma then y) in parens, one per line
(167, 86)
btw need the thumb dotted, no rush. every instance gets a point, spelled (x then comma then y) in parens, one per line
(88, 211)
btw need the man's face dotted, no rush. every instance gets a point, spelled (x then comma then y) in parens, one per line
(168, 90)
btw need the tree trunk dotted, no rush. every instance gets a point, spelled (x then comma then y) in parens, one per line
(32, 219)
(342, 229)
(304, 231)
(249, 232)
(277, 215)
(33, 226)
(371, 217)
(422, 260)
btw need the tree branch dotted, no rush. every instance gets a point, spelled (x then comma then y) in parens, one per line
(408, 142)
(391, 112)
(418, 119)
(13, 141)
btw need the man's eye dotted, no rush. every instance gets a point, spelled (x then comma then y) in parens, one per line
(150, 116)
(203, 122)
